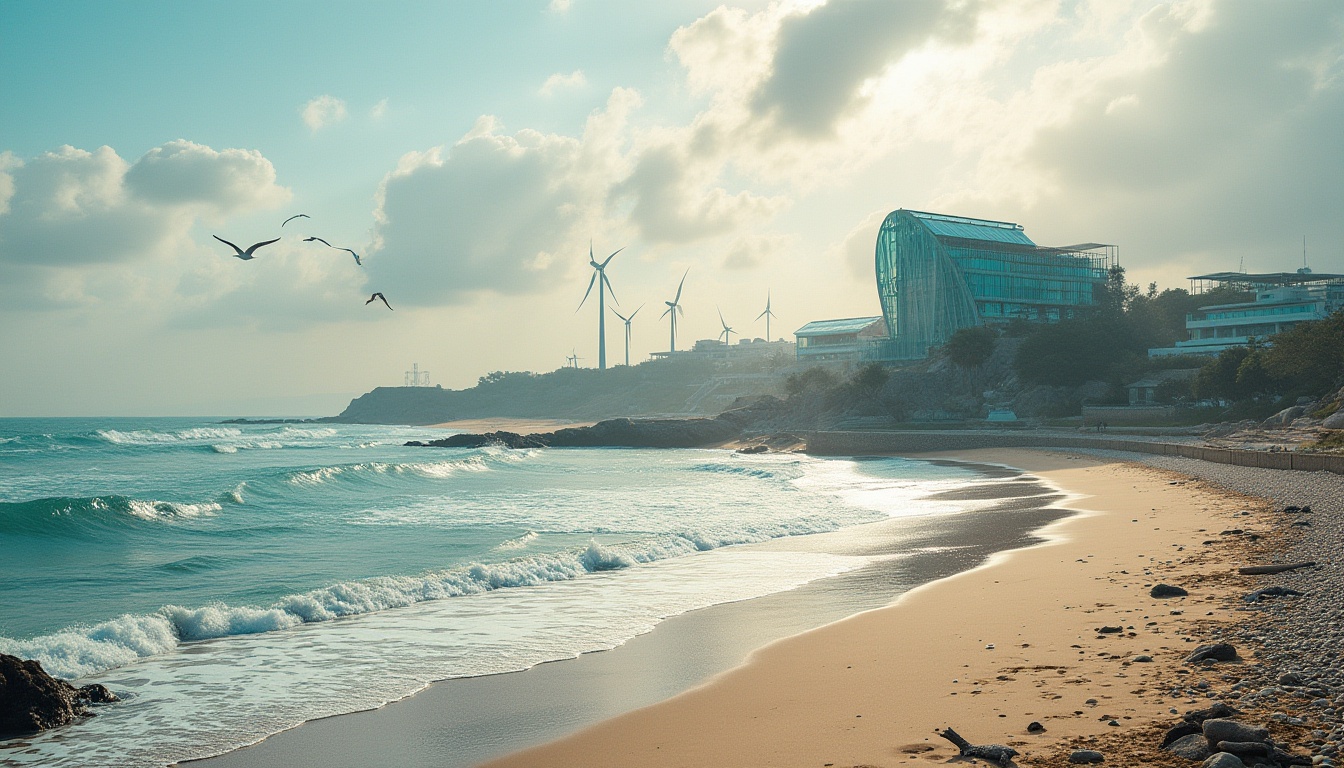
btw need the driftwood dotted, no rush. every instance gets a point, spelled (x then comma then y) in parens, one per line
(995, 753)
(1253, 570)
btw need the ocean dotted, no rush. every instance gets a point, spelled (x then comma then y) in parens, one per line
(230, 581)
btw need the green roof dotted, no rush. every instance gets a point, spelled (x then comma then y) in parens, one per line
(973, 229)
(830, 327)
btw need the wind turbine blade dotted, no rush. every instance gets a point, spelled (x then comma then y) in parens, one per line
(623, 317)
(590, 290)
(679, 286)
(607, 283)
(763, 314)
(612, 256)
(636, 312)
(681, 311)
(721, 320)
(669, 309)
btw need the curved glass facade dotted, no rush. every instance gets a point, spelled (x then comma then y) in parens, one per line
(937, 274)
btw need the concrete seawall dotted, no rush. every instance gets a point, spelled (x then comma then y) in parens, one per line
(854, 443)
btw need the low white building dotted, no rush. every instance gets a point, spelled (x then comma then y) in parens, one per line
(1282, 300)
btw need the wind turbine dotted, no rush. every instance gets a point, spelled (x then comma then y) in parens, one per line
(573, 359)
(627, 331)
(674, 309)
(600, 271)
(724, 334)
(767, 314)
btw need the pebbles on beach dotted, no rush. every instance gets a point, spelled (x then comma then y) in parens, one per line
(1294, 626)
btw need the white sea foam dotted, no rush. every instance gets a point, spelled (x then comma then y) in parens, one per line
(169, 510)
(150, 437)
(519, 542)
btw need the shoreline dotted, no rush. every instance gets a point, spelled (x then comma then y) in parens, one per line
(743, 717)
(985, 652)
(458, 722)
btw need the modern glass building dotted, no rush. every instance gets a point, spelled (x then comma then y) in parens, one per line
(1282, 300)
(937, 274)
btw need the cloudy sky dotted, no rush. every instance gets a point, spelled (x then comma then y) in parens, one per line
(471, 151)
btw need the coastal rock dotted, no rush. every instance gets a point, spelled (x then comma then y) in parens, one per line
(471, 440)
(1224, 760)
(751, 449)
(1284, 417)
(1085, 756)
(1166, 590)
(1334, 420)
(1221, 729)
(1193, 747)
(32, 700)
(1180, 731)
(1219, 710)
(96, 693)
(1214, 651)
(1035, 727)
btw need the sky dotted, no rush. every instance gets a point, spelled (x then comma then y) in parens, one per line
(473, 152)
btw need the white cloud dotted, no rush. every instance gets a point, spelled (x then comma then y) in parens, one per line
(322, 111)
(379, 110)
(73, 216)
(560, 81)
(560, 6)
(495, 213)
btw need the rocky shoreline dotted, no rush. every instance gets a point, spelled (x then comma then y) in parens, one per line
(1283, 690)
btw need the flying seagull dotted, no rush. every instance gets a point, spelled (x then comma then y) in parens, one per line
(295, 216)
(245, 255)
(379, 296)
(329, 245)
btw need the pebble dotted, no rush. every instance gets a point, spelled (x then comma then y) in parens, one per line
(1083, 756)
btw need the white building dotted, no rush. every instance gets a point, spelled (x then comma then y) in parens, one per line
(1282, 300)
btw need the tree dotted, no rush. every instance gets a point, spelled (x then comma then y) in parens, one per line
(869, 379)
(971, 347)
(815, 379)
(1308, 359)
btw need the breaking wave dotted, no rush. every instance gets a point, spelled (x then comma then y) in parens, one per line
(59, 515)
(85, 650)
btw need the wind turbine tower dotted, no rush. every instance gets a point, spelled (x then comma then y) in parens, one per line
(725, 333)
(627, 330)
(674, 309)
(600, 274)
(767, 314)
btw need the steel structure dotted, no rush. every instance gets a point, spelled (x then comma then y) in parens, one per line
(937, 274)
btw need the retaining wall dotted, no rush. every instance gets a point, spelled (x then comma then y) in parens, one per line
(855, 443)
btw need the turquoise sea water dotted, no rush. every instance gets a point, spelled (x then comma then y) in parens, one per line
(230, 581)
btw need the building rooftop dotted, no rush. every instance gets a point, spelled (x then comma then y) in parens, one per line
(1269, 278)
(973, 229)
(828, 327)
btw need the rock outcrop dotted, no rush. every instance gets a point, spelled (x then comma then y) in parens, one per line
(32, 700)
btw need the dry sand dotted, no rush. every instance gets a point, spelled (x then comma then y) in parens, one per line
(985, 652)
(502, 424)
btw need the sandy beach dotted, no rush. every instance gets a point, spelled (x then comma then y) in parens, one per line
(986, 652)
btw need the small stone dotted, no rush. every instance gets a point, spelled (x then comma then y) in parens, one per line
(1167, 590)
(1109, 630)
(1292, 678)
(1224, 760)
(1035, 727)
(1143, 658)
(1083, 756)
(1214, 652)
(1221, 729)
(1193, 747)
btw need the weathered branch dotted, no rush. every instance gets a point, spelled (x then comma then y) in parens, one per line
(1253, 570)
(996, 753)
